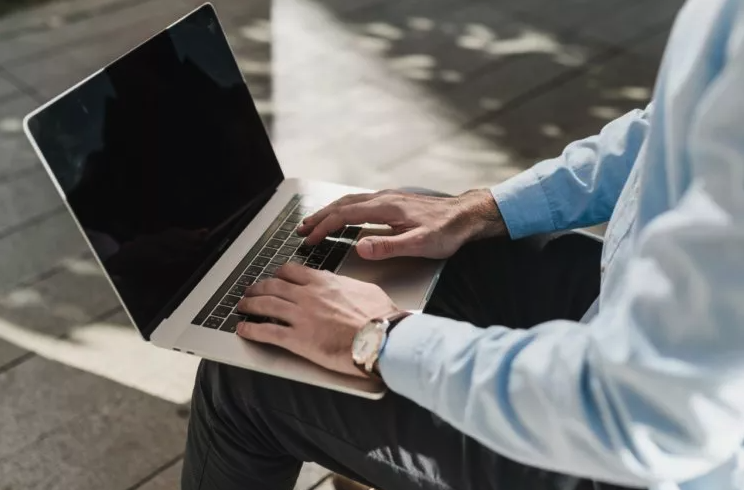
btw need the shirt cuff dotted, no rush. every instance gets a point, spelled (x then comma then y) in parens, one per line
(410, 355)
(523, 205)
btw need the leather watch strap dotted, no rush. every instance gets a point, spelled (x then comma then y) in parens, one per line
(396, 319)
(393, 321)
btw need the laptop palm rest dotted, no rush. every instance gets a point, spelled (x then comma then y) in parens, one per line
(407, 280)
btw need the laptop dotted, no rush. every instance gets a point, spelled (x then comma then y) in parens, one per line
(162, 160)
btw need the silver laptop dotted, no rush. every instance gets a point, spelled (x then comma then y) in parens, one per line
(163, 161)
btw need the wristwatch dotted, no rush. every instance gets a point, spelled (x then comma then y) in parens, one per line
(369, 341)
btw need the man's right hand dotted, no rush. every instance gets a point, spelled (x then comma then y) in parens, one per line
(423, 226)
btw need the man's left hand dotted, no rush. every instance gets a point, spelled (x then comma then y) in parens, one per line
(323, 312)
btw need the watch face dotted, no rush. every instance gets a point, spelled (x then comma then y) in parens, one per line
(366, 343)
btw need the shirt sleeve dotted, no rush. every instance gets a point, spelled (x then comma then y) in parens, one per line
(652, 389)
(578, 188)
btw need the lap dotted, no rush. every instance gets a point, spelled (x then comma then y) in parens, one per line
(250, 430)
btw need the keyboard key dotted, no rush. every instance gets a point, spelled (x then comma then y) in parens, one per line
(281, 235)
(293, 242)
(288, 251)
(304, 250)
(263, 277)
(294, 218)
(333, 260)
(212, 322)
(295, 234)
(343, 245)
(337, 233)
(249, 317)
(245, 280)
(275, 243)
(237, 290)
(267, 252)
(312, 266)
(288, 226)
(222, 311)
(271, 269)
(230, 300)
(260, 261)
(315, 259)
(280, 260)
(351, 232)
(323, 247)
(253, 270)
(231, 323)
(297, 259)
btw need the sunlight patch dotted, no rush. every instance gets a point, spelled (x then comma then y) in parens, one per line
(11, 125)
(115, 352)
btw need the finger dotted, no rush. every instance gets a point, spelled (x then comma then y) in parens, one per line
(274, 287)
(353, 214)
(318, 216)
(295, 273)
(408, 244)
(269, 306)
(266, 333)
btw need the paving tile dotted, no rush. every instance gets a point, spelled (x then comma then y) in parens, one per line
(10, 352)
(75, 294)
(48, 15)
(471, 159)
(375, 144)
(16, 154)
(542, 126)
(169, 479)
(627, 24)
(310, 475)
(651, 48)
(37, 248)
(26, 196)
(64, 428)
(501, 86)
(7, 89)
(539, 128)
(138, 17)
(568, 15)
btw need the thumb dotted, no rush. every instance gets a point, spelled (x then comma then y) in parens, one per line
(385, 247)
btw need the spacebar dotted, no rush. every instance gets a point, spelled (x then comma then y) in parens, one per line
(333, 260)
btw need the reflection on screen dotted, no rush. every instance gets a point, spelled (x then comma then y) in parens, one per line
(156, 155)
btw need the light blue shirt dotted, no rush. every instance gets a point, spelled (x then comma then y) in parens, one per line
(651, 392)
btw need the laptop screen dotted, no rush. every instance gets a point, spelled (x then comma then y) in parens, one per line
(160, 156)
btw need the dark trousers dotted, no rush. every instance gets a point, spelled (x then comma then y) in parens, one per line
(252, 431)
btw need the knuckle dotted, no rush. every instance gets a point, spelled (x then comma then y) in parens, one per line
(386, 246)
(417, 242)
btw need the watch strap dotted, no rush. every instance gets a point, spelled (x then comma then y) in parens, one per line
(393, 321)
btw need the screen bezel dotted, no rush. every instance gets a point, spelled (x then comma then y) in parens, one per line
(251, 209)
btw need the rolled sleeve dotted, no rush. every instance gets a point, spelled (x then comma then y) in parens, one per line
(524, 205)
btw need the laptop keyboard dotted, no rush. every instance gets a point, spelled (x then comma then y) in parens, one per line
(279, 245)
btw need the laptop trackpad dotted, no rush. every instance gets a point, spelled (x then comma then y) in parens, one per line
(407, 280)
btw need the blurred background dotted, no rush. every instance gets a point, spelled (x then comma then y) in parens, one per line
(447, 94)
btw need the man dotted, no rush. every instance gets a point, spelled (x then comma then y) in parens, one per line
(540, 386)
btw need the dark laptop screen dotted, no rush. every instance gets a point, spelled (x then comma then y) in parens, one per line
(160, 155)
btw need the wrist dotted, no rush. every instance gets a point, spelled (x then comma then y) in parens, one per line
(478, 216)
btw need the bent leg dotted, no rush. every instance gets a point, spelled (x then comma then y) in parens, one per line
(253, 431)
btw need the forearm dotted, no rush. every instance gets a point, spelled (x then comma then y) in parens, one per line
(579, 188)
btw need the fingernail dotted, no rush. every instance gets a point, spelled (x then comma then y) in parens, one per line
(240, 328)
